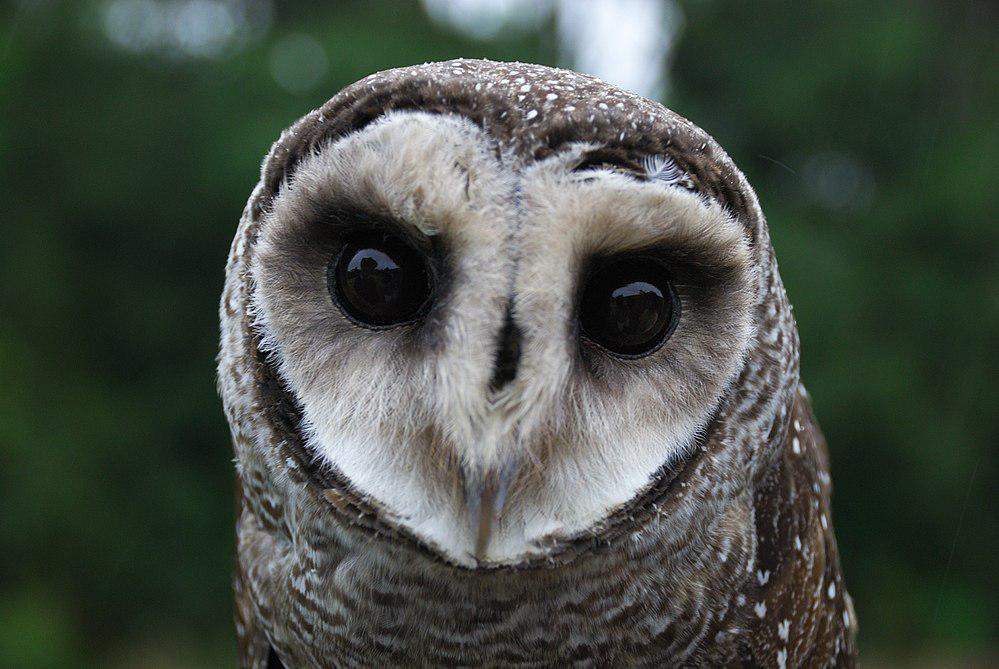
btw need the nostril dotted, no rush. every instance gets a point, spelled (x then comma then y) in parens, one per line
(507, 354)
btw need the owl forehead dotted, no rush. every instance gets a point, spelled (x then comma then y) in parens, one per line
(531, 112)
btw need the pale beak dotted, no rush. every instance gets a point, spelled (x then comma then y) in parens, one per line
(485, 498)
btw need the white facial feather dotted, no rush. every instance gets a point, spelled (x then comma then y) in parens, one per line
(403, 418)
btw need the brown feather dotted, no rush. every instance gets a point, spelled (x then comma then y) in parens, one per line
(727, 558)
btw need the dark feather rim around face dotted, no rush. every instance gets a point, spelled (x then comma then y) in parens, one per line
(692, 151)
(356, 509)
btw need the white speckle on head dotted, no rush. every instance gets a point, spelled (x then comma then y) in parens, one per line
(551, 96)
(741, 600)
(525, 88)
(531, 114)
(760, 609)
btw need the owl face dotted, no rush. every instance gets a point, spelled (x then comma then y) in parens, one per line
(496, 353)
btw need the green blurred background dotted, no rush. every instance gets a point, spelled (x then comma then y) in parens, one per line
(130, 136)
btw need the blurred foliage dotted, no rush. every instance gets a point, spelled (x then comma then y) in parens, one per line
(869, 130)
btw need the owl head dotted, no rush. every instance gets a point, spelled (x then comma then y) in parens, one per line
(498, 311)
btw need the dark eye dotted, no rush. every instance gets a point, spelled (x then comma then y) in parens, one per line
(629, 306)
(379, 280)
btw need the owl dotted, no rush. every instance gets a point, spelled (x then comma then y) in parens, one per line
(512, 378)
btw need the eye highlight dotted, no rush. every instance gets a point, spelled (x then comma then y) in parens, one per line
(378, 280)
(629, 306)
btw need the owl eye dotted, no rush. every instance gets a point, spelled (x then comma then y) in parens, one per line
(629, 306)
(378, 280)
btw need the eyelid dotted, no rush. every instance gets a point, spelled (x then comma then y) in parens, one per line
(347, 221)
(685, 266)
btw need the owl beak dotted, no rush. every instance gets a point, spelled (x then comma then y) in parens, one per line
(485, 496)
